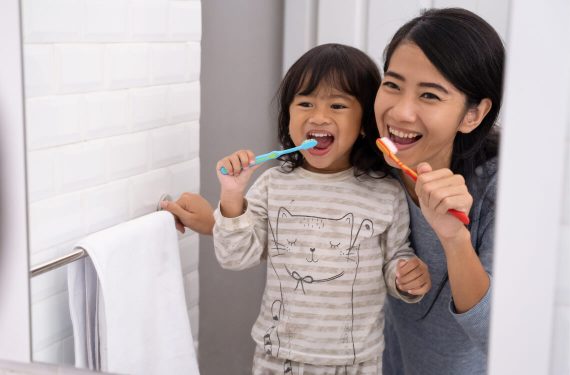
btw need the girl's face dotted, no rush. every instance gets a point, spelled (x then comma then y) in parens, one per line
(418, 109)
(333, 119)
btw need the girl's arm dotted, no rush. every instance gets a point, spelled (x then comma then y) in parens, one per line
(240, 230)
(241, 241)
(437, 192)
(401, 266)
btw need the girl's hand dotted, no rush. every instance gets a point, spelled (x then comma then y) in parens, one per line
(233, 184)
(239, 171)
(438, 191)
(412, 277)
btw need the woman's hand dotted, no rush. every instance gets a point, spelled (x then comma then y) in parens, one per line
(412, 277)
(233, 185)
(438, 191)
(192, 211)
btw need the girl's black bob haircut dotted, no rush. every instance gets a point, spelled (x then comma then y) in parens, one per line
(346, 69)
(469, 53)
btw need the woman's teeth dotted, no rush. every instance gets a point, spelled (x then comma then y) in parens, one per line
(401, 134)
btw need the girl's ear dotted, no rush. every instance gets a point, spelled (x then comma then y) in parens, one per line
(475, 116)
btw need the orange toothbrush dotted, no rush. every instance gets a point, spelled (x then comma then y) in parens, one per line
(389, 149)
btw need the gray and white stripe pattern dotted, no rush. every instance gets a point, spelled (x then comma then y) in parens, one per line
(332, 242)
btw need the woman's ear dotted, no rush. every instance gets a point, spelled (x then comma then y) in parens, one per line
(475, 116)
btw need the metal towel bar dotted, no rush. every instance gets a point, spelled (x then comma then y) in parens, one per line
(76, 254)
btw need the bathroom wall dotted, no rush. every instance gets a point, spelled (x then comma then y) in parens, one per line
(560, 360)
(112, 96)
(530, 323)
(14, 269)
(241, 70)
(367, 24)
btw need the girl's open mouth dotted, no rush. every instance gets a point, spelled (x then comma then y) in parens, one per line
(324, 141)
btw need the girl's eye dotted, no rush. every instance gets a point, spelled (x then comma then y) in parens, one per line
(305, 104)
(390, 85)
(429, 96)
(338, 106)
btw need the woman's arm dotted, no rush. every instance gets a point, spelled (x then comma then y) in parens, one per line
(191, 211)
(438, 191)
(467, 277)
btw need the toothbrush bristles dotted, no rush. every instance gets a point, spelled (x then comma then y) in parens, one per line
(389, 144)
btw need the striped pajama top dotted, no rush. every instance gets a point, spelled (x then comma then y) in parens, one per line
(332, 242)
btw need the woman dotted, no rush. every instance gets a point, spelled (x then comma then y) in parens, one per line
(438, 102)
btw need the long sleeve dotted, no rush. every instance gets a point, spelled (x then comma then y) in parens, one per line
(396, 247)
(240, 242)
(475, 322)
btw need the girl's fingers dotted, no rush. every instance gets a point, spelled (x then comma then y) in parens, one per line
(411, 281)
(236, 162)
(407, 266)
(417, 281)
(412, 276)
(243, 158)
(421, 290)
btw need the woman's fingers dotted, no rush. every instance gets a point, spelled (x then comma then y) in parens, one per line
(442, 190)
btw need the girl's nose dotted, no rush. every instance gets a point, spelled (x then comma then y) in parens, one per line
(319, 117)
(404, 110)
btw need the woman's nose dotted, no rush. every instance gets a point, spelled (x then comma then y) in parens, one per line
(404, 110)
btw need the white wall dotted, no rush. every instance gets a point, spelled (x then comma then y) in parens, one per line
(241, 71)
(530, 323)
(367, 24)
(14, 283)
(560, 359)
(112, 115)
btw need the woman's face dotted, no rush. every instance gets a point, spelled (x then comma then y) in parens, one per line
(418, 109)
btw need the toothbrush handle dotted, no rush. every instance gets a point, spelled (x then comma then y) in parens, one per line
(258, 160)
(461, 216)
(265, 157)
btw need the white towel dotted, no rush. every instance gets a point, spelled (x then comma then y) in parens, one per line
(130, 316)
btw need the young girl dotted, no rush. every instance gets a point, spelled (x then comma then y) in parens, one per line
(438, 102)
(334, 233)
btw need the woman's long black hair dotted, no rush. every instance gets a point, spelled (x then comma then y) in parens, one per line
(349, 70)
(469, 53)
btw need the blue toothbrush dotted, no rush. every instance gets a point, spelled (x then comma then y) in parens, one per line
(307, 144)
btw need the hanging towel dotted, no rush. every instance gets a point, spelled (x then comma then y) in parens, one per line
(127, 300)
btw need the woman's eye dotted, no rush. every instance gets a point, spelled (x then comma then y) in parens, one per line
(390, 85)
(430, 96)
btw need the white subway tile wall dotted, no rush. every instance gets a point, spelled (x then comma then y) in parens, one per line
(112, 118)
